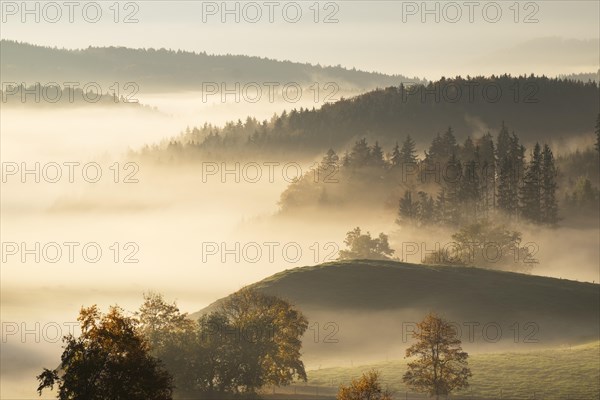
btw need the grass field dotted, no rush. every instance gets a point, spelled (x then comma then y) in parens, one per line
(562, 373)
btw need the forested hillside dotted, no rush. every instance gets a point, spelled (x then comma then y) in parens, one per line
(533, 106)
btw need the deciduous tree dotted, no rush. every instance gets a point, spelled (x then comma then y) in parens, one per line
(363, 246)
(109, 360)
(367, 387)
(441, 365)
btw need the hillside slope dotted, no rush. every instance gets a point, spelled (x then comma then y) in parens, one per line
(363, 309)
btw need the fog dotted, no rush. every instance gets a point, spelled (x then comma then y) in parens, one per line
(179, 227)
(164, 217)
(45, 134)
(222, 103)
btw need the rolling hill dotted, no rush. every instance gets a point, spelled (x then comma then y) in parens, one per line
(363, 310)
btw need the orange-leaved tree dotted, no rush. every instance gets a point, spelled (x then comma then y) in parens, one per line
(365, 387)
(440, 365)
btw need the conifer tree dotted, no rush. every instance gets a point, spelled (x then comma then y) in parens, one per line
(502, 143)
(452, 181)
(549, 206)
(470, 194)
(425, 208)
(346, 159)
(440, 212)
(408, 154)
(396, 158)
(408, 209)
(449, 142)
(436, 150)
(487, 162)
(360, 154)
(598, 133)
(468, 150)
(511, 160)
(376, 156)
(530, 194)
(330, 159)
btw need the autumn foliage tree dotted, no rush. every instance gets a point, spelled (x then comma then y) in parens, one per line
(248, 341)
(172, 337)
(109, 360)
(440, 365)
(268, 338)
(367, 387)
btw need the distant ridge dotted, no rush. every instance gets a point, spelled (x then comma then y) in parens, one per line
(170, 70)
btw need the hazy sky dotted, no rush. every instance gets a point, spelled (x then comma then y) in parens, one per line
(548, 37)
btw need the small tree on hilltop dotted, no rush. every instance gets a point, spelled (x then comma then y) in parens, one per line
(485, 244)
(364, 246)
(441, 365)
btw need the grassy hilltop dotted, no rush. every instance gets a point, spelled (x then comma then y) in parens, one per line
(569, 309)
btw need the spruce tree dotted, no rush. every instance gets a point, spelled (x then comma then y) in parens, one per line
(511, 163)
(449, 142)
(408, 154)
(505, 166)
(506, 201)
(530, 193)
(346, 161)
(408, 209)
(425, 208)
(360, 154)
(487, 162)
(327, 169)
(376, 156)
(440, 211)
(396, 158)
(598, 133)
(549, 206)
(436, 151)
(467, 152)
(330, 158)
(470, 194)
(452, 181)
(502, 143)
